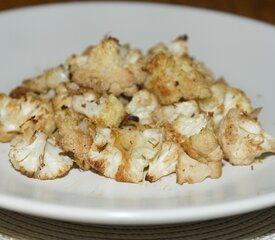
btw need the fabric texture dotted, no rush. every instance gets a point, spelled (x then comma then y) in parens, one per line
(258, 225)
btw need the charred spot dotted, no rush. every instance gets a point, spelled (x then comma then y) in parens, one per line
(19, 92)
(64, 107)
(244, 114)
(112, 39)
(177, 83)
(98, 166)
(83, 105)
(34, 121)
(70, 76)
(101, 148)
(133, 118)
(126, 97)
(144, 69)
(121, 126)
(55, 130)
(183, 37)
(210, 114)
(149, 178)
(129, 120)
(69, 154)
(140, 86)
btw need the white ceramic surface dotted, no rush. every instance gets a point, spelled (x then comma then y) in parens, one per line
(241, 50)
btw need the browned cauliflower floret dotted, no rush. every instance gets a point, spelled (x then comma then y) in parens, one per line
(194, 131)
(75, 135)
(164, 163)
(196, 135)
(190, 170)
(174, 76)
(204, 146)
(204, 71)
(169, 113)
(106, 111)
(63, 97)
(142, 105)
(123, 154)
(33, 152)
(242, 138)
(109, 68)
(14, 113)
(36, 155)
(49, 80)
(176, 48)
(223, 99)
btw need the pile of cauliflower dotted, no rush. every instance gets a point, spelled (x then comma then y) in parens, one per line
(130, 117)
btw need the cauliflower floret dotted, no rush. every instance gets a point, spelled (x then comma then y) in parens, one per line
(176, 48)
(174, 76)
(242, 138)
(23, 92)
(123, 154)
(49, 80)
(63, 96)
(164, 163)
(204, 71)
(194, 131)
(223, 99)
(142, 105)
(172, 79)
(204, 146)
(75, 135)
(109, 68)
(190, 126)
(35, 155)
(196, 135)
(189, 170)
(106, 111)
(16, 112)
(171, 112)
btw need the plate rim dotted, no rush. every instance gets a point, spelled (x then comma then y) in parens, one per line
(137, 216)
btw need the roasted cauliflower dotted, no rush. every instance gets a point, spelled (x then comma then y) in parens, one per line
(223, 99)
(75, 135)
(49, 80)
(191, 171)
(173, 76)
(123, 154)
(131, 117)
(14, 113)
(109, 68)
(193, 130)
(142, 105)
(164, 163)
(36, 155)
(242, 138)
(106, 111)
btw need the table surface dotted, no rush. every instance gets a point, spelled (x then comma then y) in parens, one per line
(259, 9)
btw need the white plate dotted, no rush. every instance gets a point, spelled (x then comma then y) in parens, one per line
(241, 50)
